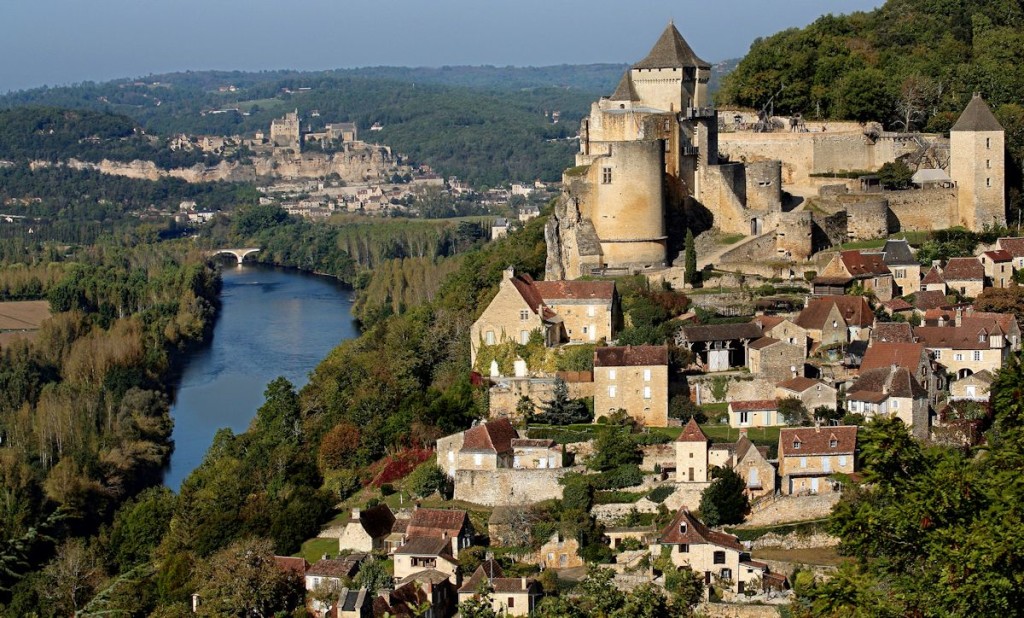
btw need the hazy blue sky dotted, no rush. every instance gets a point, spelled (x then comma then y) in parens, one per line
(63, 41)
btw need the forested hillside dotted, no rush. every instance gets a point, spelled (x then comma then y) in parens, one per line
(911, 64)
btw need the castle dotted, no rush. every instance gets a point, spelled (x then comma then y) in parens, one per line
(649, 154)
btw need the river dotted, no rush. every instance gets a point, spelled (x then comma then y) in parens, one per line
(273, 322)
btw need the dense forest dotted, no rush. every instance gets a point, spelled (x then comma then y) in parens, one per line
(83, 407)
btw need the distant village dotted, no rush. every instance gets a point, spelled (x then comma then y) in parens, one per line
(777, 392)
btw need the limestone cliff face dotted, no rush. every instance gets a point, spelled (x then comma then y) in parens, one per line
(572, 242)
(371, 163)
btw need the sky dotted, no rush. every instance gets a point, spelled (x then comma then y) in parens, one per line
(55, 42)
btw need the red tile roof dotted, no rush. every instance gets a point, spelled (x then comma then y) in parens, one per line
(696, 533)
(294, 564)
(799, 384)
(817, 440)
(906, 355)
(493, 436)
(890, 382)
(631, 356)
(854, 309)
(863, 265)
(757, 404)
(989, 319)
(892, 332)
(898, 304)
(955, 338)
(426, 546)
(345, 566)
(934, 275)
(925, 300)
(768, 322)
(1015, 246)
(437, 523)
(999, 255)
(963, 269)
(692, 433)
(762, 343)
(575, 290)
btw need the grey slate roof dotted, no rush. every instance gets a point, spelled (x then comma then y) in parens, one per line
(977, 117)
(625, 90)
(671, 51)
(898, 253)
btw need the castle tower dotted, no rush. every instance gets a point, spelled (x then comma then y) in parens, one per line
(692, 454)
(976, 145)
(672, 77)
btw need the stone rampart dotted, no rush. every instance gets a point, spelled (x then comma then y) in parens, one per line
(509, 487)
(737, 388)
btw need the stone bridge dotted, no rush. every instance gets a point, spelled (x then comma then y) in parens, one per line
(240, 254)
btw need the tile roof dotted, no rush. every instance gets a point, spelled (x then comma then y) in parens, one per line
(934, 275)
(1015, 246)
(755, 404)
(631, 356)
(925, 300)
(898, 253)
(625, 91)
(532, 443)
(437, 523)
(512, 584)
(956, 338)
(425, 546)
(343, 566)
(817, 440)
(897, 304)
(488, 568)
(720, 332)
(906, 355)
(1005, 321)
(493, 436)
(963, 268)
(671, 51)
(762, 343)
(977, 117)
(429, 576)
(377, 521)
(767, 322)
(296, 565)
(861, 264)
(892, 332)
(898, 382)
(552, 291)
(999, 255)
(799, 384)
(692, 433)
(854, 309)
(696, 533)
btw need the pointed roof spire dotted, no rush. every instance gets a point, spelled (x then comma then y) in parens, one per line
(692, 433)
(625, 90)
(977, 116)
(671, 51)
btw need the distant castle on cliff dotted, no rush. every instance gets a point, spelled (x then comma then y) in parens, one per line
(650, 152)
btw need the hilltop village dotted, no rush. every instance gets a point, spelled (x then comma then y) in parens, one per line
(810, 313)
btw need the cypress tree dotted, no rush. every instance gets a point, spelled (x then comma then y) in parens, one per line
(692, 276)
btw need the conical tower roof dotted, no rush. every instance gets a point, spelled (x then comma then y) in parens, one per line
(671, 51)
(692, 433)
(977, 117)
(625, 90)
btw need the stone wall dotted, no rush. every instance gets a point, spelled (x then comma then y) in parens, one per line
(794, 236)
(738, 388)
(758, 248)
(507, 487)
(867, 219)
(923, 209)
(723, 192)
(658, 454)
(505, 394)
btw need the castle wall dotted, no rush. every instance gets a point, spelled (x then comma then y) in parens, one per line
(665, 89)
(923, 209)
(793, 237)
(764, 185)
(867, 219)
(723, 191)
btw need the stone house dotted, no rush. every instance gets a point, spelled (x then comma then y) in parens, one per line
(354, 603)
(535, 454)
(836, 319)
(615, 535)
(751, 463)
(634, 379)
(905, 269)
(783, 329)
(562, 311)
(849, 268)
(425, 587)
(486, 446)
(1015, 247)
(760, 413)
(367, 529)
(510, 596)
(891, 332)
(451, 526)
(812, 393)
(891, 391)
(808, 456)
(965, 275)
(692, 464)
(998, 267)
(717, 556)
(425, 553)
(933, 281)
(696, 456)
(719, 347)
(775, 360)
(975, 345)
(975, 387)
(913, 357)
(330, 574)
(558, 552)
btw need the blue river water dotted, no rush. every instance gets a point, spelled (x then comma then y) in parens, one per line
(273, 322)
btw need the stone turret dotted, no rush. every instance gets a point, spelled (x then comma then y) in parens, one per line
(976, 144)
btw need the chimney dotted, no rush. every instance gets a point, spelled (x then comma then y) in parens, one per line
(355, 513)
(817, 425)
(959, 316)
(523, 582)
(743, 432)
(509, 273)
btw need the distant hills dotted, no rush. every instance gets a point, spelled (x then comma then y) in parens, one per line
(485, 124)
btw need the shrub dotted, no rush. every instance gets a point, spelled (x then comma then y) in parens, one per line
(578, 493)
(387, 489)
(626, 475)
(659, 494)
(428, 478)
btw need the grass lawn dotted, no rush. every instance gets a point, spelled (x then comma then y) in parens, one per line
(728, 239)
(314, 549)
(757, 435)
(914, 238)
(820, 556)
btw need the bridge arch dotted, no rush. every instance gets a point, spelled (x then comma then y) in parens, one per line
(240, 253)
